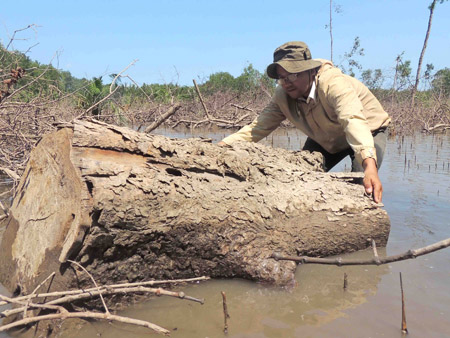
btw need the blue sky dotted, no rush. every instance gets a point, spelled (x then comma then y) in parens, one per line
(177, 41)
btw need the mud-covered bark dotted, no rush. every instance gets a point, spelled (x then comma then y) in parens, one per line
(131, 206)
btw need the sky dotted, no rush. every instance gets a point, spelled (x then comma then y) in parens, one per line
(178, 41)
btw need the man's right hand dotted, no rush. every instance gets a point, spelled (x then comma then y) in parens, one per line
(222, 144)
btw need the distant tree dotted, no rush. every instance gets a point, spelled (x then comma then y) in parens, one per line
(402, 73)
(441, 82)
(221, 81)
(373, 79)
(427, 35)
(350, 58)
(329, 26)
(249, 79)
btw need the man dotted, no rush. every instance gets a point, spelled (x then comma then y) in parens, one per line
(340, 116)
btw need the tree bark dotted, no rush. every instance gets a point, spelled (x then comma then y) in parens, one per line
(130, 206)
(419, 66)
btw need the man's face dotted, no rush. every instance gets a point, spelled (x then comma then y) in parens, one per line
(298, 88)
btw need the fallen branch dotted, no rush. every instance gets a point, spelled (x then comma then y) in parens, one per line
(240, 107)
(91, 294)
(164, 117)
(103, 288)
(70, 296)
(437, 126)
(372, 261)
(111, 91)
(93, 280)
(201, 100)
(93, 315)
(34, 292)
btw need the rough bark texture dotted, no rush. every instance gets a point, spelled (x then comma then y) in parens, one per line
(131, 206)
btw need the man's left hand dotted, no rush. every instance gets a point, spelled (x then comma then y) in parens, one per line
(372, 183)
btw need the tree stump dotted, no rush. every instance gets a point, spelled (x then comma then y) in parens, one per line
(130, 206)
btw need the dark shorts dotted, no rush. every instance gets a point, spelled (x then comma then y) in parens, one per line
(379, 138)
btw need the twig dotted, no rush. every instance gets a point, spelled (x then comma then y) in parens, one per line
(95, 315)
(240, 107)
(404, 329)
(225, 312)
(34, 292)
(93, 280)
(93, 293)
(110, 288)
(32, 305)
(10, 173)
(32, 26)
(96, 104)
(345, 281)
(372, 261)
(119, 74)
(164, 117)
(111, 92)
(201, 99)
(29, 83)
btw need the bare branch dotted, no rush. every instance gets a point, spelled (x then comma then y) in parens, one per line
(372, 261)
(201, 100)
(164, 117)
(13, 37)
(94, 315)
(93, 280)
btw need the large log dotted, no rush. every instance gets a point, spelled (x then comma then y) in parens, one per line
(130, 206)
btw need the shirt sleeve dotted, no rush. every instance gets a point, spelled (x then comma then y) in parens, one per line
(350, 112)
(266, 122)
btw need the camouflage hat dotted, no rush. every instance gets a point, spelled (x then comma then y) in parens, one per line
(294, 57)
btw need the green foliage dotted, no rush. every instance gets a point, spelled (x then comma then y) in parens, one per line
(93, 92)
(250, 80)
(402, 72)
(349, 62)
(221, 81)
(373, 79)
(166, 93)
(41, 80)
(441, 82)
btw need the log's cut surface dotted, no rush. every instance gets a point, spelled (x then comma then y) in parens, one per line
(130, 206)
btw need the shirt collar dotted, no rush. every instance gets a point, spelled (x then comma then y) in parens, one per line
(311, 96)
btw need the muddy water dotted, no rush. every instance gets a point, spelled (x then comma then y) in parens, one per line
(416, 178)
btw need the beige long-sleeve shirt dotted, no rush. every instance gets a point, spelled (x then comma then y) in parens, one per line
(340, 112)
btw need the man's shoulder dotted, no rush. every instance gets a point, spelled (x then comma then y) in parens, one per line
(280, 95)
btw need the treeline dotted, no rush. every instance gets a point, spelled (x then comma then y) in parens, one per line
(34, 97)
(45, 81)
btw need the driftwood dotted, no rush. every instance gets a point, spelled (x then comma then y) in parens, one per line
(129, 207)
(376, 260)
(25, 303)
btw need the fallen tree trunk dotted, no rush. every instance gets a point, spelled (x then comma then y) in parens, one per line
(130, 206)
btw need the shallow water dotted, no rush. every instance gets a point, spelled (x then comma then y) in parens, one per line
(416, 180)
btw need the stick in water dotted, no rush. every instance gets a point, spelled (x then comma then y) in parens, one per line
(404, 329)
(225, 312)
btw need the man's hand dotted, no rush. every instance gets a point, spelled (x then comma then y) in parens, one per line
(372, 183)
(222, 144)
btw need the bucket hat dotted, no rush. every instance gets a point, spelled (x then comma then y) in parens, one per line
(294, 57)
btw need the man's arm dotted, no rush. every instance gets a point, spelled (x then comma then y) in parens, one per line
(266, 122)
(349, 109)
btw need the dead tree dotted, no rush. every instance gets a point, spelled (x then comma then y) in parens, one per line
(130, 206)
